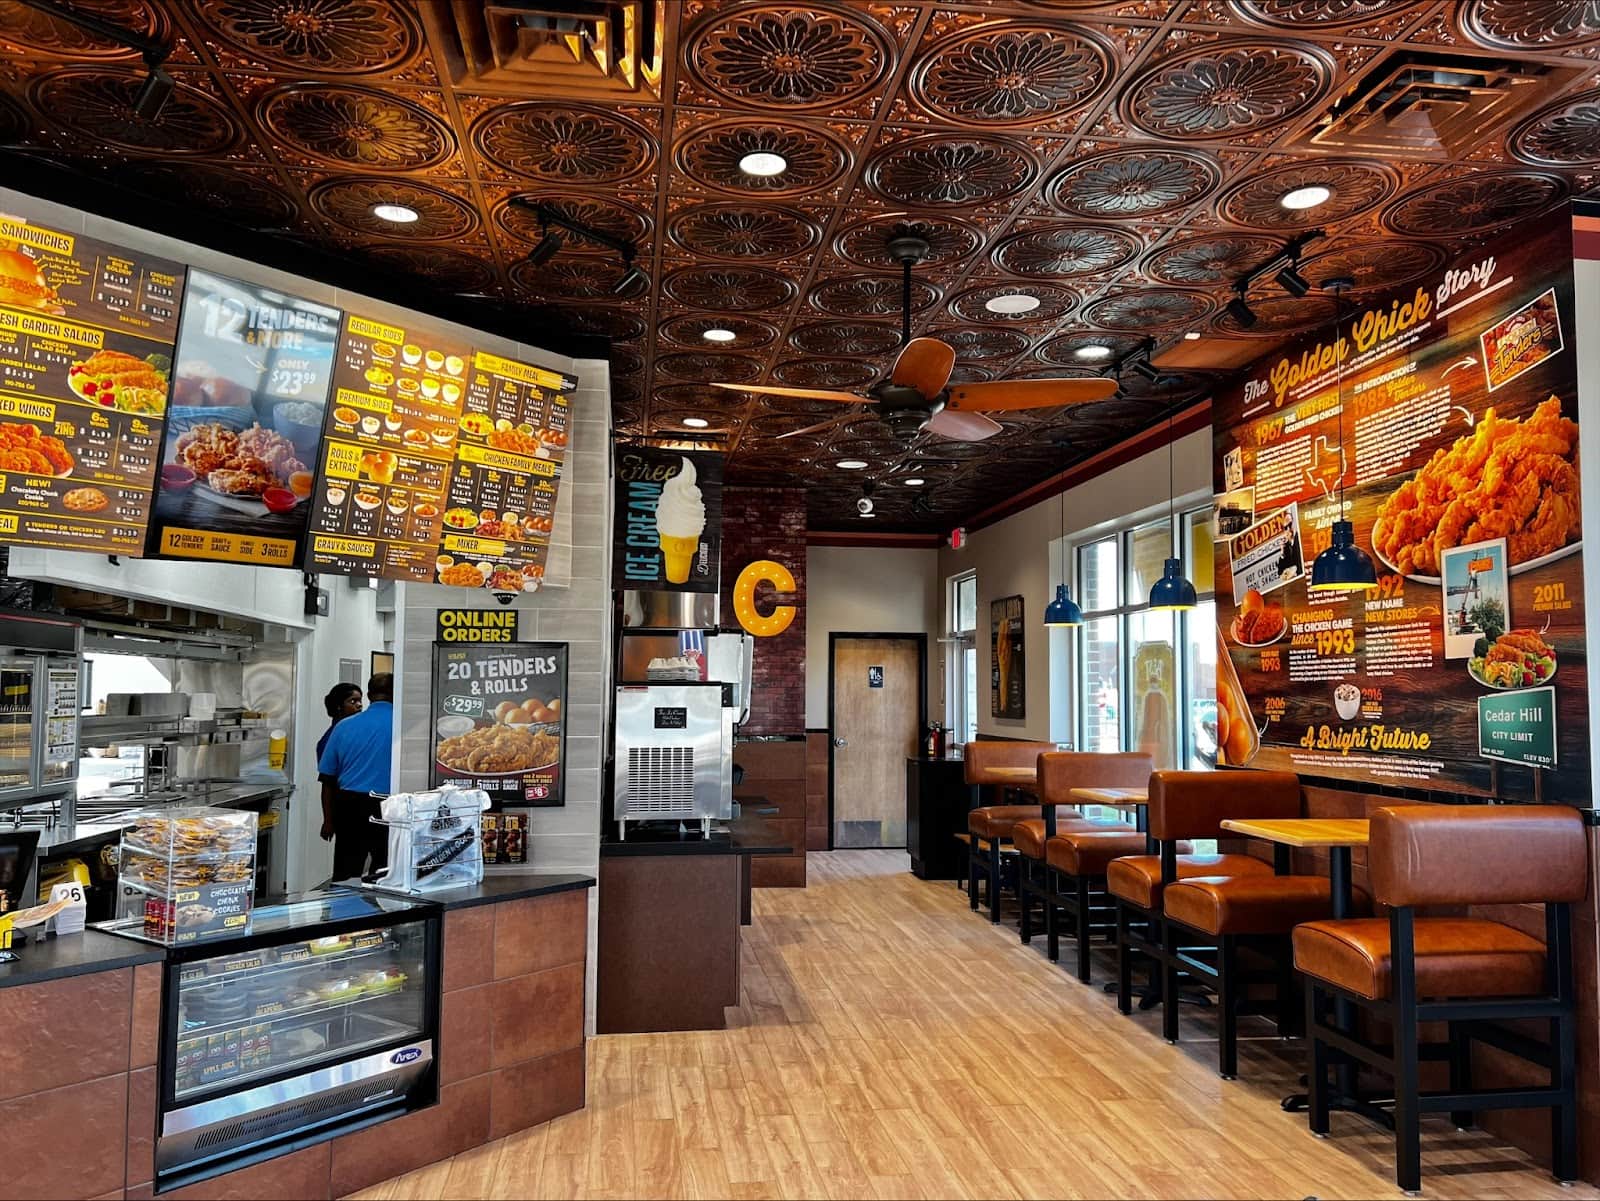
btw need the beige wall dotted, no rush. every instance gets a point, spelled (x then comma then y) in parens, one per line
(1012, 557)
(867, 590)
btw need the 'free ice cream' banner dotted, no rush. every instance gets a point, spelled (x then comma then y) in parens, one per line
(669, 520)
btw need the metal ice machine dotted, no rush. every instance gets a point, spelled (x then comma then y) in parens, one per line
(671, 754)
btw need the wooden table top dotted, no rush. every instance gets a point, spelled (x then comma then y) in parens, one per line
(1111, 796)
(1304, 831)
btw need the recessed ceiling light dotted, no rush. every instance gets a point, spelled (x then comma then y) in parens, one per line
(1094, 351)
(719, 335)
(915, 481)
(398, 213)
(851, 464)
(1192, 336)
(1012, 302)
(763, 162)
(1305, 198)
(696, 423)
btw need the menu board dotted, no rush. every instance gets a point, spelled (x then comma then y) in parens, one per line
(247, 408)
(388, 446)
(499, 720)
(1459, 459)
(668, 531)
(86, 336)
(502, 499)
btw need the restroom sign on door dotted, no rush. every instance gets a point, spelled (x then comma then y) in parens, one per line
(875, 676)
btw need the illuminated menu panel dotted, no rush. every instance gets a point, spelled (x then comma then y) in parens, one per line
(245, 425)
(86, 337)
(503, 495)
(388, 446)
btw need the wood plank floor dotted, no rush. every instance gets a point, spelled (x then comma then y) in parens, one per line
(892, 1044)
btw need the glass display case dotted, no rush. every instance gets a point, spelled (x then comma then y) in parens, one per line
(323, 1017)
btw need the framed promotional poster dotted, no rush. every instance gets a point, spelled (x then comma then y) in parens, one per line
(1454, 454)
(668, 520)
(1008, 684)
(499, 720)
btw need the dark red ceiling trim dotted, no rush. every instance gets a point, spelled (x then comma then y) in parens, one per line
(1197, 416)
(851, 538)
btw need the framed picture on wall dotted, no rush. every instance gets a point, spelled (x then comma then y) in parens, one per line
(1008, 681)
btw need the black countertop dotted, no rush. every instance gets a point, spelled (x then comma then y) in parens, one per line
(75, 955)
(744, 836)
(492, 889)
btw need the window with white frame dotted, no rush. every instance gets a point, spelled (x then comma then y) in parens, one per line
(961, 676)
(1146, 680)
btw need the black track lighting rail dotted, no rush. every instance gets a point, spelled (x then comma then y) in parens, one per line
(1287, 265)
(158, 85)
(550, 244)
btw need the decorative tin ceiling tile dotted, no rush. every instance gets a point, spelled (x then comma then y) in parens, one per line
(1010, 73)
(744, 231)
(1531, 24)
(449, 270)
(825, 373)
(1225, 89)
(711, 155)
(1355, 186)
(1149, 310)
(708, 368)
(571, 144)
(1375, 264)
(941, 169)
(45, 33)
(613, 217)
(1566, 134)
(869, 296)
(747, 332)
(846, 338)
(96, 104)
(358, 127)
(1474, 203)
(1133, 183)
(1211, 261)
(788, 57)
(354, 37)
(348, 203)
(1055, 302)
(729, 289)
(1066, 250)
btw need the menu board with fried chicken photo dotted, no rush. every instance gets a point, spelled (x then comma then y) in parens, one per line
(508, 461)
(1439, 416)
(86, 338)
(499, 720)
(388, 449)
(253, 366)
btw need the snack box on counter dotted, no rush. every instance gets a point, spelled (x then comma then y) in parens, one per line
(188, 872)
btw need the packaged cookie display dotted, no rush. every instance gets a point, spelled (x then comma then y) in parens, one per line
(189, 873)
(513, 838)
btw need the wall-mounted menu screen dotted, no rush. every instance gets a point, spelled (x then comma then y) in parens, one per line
(389, 444)
(253, 366)
(503, 495)
(86, 335)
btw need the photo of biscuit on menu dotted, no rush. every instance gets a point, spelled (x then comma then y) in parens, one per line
(1521, 341)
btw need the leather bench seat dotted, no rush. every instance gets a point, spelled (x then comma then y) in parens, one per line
(1029, 836)
(1089, 852)
(1253, 904)
(1456, 957)
(995, 821)
(1137, 878)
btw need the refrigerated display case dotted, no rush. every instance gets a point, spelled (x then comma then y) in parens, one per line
(323, 1019)
(41, 664)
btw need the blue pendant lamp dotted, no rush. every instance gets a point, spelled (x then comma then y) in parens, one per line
(1173, 590)
(1344, 565)
(1063, 611)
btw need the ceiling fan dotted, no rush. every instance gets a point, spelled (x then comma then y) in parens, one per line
(917, 396)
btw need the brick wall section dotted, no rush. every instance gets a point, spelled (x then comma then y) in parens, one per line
(770, 523)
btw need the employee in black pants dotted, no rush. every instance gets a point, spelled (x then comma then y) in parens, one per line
(354, 765)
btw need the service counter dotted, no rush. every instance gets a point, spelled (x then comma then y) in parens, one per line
(82, 1052)
(670, 910)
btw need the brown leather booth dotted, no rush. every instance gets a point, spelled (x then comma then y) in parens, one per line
(1471, 973)
(1185, 805)
(988, 765)
(1210, 923)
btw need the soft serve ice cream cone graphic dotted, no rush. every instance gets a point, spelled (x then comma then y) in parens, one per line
(680, 519)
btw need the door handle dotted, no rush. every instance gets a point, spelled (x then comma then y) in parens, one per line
(840, 742)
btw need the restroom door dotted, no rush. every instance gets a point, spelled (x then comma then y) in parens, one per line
(877, 690)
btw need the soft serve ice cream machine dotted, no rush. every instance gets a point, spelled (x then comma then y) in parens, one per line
(674, 752)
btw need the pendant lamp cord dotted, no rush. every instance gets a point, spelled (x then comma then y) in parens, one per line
(1338, 346)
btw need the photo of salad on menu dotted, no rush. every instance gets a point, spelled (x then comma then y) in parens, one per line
(248, 393)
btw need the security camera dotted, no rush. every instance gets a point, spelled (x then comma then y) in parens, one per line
(864, 506)
(505, 598)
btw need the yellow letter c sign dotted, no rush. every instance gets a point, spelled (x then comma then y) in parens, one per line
(744, 598)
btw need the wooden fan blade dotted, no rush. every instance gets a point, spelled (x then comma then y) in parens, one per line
(925, 364)
(821, 425)
(1001, 395)
(848, 398)
(962, 427)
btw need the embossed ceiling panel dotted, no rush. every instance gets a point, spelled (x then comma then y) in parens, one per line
(1119, 163)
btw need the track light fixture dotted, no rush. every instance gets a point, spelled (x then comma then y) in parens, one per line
(157, 87)
(1239, 309)
(1145, 370)
(551, 242)
(1292, 282)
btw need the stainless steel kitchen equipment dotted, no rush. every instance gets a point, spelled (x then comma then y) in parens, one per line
(41, 668)
(674, 754)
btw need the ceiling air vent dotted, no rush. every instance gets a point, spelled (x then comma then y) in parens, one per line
(1416, 104)
(579, 49)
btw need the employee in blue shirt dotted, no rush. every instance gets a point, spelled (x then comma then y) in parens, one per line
(353, 766)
